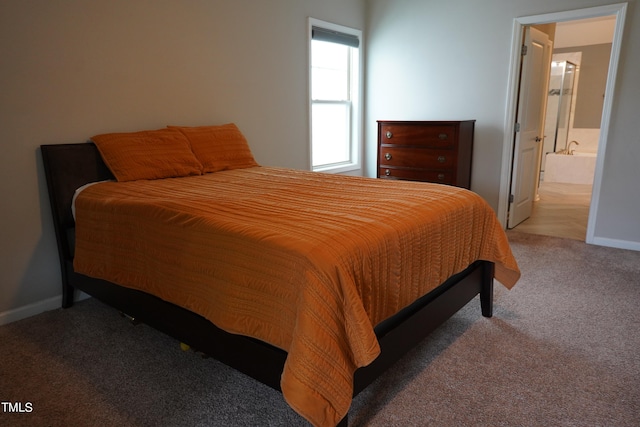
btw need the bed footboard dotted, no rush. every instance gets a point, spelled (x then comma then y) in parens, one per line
(264, 362)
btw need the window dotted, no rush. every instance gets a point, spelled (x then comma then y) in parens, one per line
(336, 124)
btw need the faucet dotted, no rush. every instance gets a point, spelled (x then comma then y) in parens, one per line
(569, 150)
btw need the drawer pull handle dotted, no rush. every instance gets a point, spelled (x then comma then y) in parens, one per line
(441, 159)
(387, 172)
(443, 136)
(389, 134)
(387, 156)
(441, 176)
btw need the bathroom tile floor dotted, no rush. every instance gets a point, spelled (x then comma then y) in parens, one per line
(562, 211)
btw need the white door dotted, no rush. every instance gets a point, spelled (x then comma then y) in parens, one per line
(534, 77)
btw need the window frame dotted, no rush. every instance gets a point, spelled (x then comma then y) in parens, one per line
(356, 101)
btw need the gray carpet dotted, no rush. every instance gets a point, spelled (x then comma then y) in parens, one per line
(563, 349)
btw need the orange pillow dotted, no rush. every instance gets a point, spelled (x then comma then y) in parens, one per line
(149, 154)
(219, 147)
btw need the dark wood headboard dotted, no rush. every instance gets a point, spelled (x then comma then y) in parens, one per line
(68, 167)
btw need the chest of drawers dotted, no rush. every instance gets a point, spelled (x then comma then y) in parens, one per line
(432, 151)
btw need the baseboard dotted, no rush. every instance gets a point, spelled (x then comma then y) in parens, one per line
(35, 308)
(615, 243)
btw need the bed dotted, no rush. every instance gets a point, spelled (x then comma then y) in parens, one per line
(295, 277)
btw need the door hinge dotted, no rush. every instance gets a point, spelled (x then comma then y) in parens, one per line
(510, 198)
(524, 49)
(517, 127)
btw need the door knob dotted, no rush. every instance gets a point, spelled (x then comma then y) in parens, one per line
(538, 139)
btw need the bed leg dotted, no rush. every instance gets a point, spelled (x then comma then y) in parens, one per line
(67, 295)
(486, 292)
(68, 291)
(344, 422)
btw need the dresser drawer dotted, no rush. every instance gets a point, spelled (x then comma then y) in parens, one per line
(441, 177)
(429, 136)
(427, 158)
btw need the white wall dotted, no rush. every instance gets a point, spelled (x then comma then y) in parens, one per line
(440, 60)
(72, 69)
(450, 60)
(584, 32)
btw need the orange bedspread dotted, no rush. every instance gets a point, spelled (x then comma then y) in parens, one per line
(307, 262)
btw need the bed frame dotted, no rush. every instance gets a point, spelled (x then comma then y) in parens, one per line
(69, 166)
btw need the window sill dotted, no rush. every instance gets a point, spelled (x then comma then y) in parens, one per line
(338, 168)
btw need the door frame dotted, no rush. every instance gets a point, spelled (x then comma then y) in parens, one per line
(619, 11)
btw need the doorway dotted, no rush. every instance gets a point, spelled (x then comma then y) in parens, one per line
(574, 100)
(617, 13)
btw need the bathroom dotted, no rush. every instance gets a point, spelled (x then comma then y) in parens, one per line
(570, 148)
(569, 152)
(574, 110)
